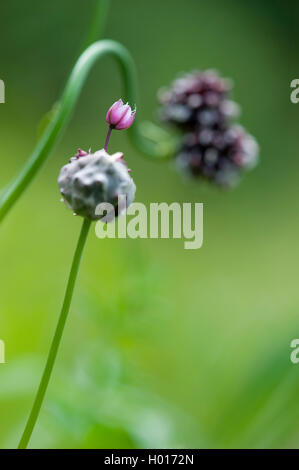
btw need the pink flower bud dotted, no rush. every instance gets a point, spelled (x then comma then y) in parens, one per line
(79, 154)
(120, 116)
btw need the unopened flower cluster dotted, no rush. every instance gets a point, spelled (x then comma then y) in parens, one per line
(90, 179)
(213, 147)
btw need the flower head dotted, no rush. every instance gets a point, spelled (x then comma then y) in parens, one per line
(218, 156)
(120, 116)
(92, 179)
(197, 98)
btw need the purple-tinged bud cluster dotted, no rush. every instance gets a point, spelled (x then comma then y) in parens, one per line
(120, 116)
(91, 179)
(200, 106)
(198, 98)
(218, 156)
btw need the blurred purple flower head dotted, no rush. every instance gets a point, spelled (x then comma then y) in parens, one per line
(198, 98)
(212, 146)
(218, 156)
(120, 116)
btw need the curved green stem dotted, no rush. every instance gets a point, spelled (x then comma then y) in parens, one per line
(62, 115)
(57, 337)
(97, 23)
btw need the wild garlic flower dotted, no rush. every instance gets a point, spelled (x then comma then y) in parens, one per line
(198, 98)
(120, 116)
(213, 147)
(90, 179)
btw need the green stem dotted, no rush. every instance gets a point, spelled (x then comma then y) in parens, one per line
(57, 337)
(69, 98)
(97, 23)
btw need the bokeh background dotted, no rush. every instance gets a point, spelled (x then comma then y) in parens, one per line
(164, 347)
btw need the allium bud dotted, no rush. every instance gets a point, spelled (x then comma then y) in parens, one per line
(120, 116)
(80, 153)
(198, 99)
(218, 156)
(91, 179)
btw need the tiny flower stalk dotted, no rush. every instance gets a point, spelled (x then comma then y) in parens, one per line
(88, 180)
(96, 178)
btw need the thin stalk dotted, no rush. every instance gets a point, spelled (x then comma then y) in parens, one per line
(62, 116)
(57, 337)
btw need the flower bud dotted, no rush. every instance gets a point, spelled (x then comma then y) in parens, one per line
(120, 116)
(91, 179)
(80, 153)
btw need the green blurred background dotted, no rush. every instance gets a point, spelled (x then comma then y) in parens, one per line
(164, 347)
